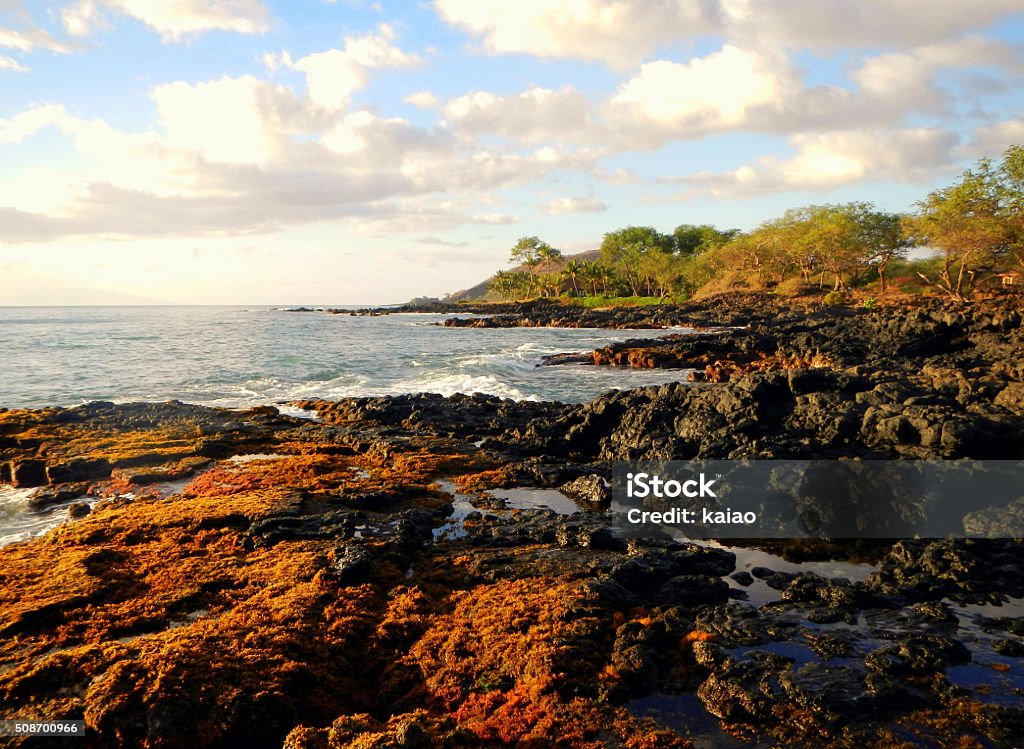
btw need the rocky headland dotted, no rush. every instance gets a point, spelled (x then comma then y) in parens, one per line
(727, 309)
(372, 578)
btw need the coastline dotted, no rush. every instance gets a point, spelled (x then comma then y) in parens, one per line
(301, 596)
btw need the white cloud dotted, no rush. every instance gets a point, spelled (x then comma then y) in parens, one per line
(126, 161)
(421, 99)
(31, 39)
(9, 63)
(177, 19)
(991, 140)
(732, 89)
(614, 31)
(827, 24)
(624, 34)
(172, 19)
(828, 160)
(494, 218)
(31, 121)
(82, 18)
(618, 176)
(239, 155)
(533, 115)
(334, 75)
(710, 92)
(226, 120)
(235, 155)
(908, 77)
(372, 142)
(575, 205)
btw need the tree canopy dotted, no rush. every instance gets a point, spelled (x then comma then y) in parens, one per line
(975, 225)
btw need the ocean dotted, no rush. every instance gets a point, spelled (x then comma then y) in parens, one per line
(239, 357)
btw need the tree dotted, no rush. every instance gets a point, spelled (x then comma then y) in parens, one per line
(1011, 186)
(596, 275)
(501, 284)
(572, 271)
(756, 253)
(509, 284)
(690, 239)
(788, 243)
(624, 249)
(548, 254)
(526, 249)
(885, 240)
(663, 271)
(967, 222)
(531, 252)
(837, 231)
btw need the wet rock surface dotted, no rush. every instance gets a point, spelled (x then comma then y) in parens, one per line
(372, 578)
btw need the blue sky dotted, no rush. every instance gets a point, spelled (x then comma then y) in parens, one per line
(253, 152)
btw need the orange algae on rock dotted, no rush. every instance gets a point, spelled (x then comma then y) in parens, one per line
(292, 592)
(158, 621)
(510, 663)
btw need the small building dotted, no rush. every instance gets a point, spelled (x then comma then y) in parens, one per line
(1009, 278)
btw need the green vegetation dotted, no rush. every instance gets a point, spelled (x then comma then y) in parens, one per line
(974, 230)
(618, 301)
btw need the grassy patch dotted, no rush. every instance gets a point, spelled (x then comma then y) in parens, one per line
(617, 301)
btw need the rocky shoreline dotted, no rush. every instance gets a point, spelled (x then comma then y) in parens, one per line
(729, 309)
(368, 577)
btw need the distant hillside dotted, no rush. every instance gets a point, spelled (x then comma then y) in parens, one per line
(475, 293)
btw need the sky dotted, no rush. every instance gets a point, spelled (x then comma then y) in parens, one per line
(351, 152)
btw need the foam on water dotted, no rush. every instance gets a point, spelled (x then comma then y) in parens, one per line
(19, 522)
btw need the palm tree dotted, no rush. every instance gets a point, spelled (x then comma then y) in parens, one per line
(548, 255)
(532, 265)
(572, 270)
(591, 275)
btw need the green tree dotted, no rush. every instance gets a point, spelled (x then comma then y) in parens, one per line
(549, 255)
(691, 239)
(596, 275)
(572, 271)
(1011, 186)
(967, 223)
(836, 230)
(531, 253)
(885, 240)
(501, 284)
(664, 272)
(623, 250)
(755, 254)
(509, 284)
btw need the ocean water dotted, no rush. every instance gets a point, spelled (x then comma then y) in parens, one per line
(239, 357)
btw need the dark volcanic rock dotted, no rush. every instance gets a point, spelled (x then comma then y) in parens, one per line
(28, 473)
(969, 570)
(592, 488)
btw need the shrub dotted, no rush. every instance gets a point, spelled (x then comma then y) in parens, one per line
(835, 298)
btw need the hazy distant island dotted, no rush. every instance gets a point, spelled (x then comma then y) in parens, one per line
(427, 571)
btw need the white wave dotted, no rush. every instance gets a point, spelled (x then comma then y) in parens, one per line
(450, 384)
(20, 522)
(298, 413)
(13, 500)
